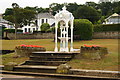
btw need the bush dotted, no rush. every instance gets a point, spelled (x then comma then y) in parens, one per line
(12, 30)
(106, 27)
(45, 27)
(9, 66)
(83, 28)
(2, 28)
(51, 30)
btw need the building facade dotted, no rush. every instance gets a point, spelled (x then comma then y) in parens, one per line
(44, 18)
(100, 1)
(5, 23)
(113, 19)
(40, 19)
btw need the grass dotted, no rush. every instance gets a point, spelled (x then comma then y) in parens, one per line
(110, 62)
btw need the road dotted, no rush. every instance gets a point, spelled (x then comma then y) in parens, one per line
(21, 77)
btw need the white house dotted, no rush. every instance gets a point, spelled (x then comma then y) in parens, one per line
(5, 23)
(40, 19)
(29, 29)
(100, 1)
(45, 18)
(113, 19)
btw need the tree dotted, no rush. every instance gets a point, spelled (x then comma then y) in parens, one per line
(16, 16)
(29, 17)
(106, 8)
(8, 11)
(91, 4)
(83, 28)
(19, 16)
(86, 12)
(72, 7)
(116, 8)
(55, 7)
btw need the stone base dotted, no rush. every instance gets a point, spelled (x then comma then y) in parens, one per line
(93, 53)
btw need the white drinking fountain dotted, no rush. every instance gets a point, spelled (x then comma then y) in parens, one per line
(64, 17)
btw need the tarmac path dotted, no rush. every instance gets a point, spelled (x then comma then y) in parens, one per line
(23, 77)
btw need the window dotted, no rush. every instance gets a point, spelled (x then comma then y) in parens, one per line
(42, 21)
(25, 29)
(33, 29)
(28, 29)
(46, 20)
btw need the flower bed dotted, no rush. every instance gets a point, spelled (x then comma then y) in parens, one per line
(93, 51)
(26, 50)
(91, 45)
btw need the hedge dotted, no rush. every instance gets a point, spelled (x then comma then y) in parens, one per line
(52, 29)
(45, 27)
(12, 30)
(2, 28)
(106, 27)
(83, 28)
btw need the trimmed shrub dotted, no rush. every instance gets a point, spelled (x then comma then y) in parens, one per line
(45, 27)
(106, 27)
(51, 30)
(83, 28)
(12, 30)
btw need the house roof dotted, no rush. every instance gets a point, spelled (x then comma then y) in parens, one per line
(113, 15)
(45, 15)
(3, 21)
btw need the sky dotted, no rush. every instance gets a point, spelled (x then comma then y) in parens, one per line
(40, 3)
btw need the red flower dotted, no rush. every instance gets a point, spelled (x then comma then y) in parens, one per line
(29, 45)
(87, 45)
(95, 45)
(91, 45)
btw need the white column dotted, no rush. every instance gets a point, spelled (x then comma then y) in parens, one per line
(23, 30)
(71, 46)
(67, 49)
(64, 47)
(27, 29)
(56, 26)
(31, 29)
(39, 24)
(61, 44)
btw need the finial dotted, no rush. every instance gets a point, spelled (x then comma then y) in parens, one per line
(64, 8)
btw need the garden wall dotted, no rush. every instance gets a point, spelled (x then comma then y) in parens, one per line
(96, 35)
(106, 35)
(31, 36)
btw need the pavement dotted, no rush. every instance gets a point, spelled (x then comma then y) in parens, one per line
(23, 77)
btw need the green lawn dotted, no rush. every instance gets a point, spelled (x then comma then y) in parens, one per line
(110, 62)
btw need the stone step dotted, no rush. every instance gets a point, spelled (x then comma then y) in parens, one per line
(50, 58)
(67, 76)
(38, 69)
(48, 63)
(53, 54)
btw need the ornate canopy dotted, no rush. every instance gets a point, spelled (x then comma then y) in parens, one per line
(64, 17)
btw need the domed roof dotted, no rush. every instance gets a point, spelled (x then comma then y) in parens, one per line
(64, 15)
